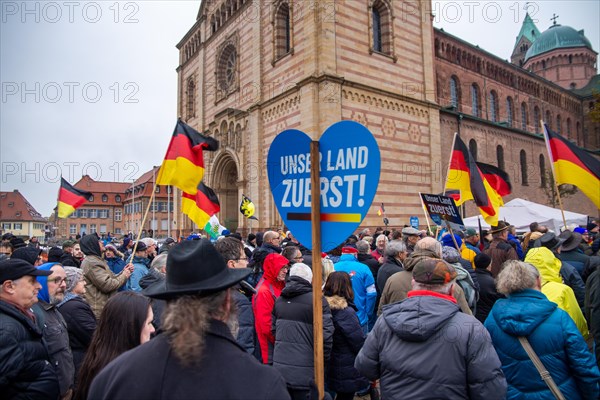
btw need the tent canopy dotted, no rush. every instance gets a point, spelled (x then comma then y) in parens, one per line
(521, 213)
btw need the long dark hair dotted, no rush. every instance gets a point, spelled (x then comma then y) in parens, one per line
(118, 330)
(339, 284)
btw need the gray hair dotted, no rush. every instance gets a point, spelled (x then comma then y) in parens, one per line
(394, 248)
(516, 276)
(159, 262)
(443, 289)
(429, 243)
(363, 247)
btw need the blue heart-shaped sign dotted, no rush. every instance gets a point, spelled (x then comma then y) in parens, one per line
(350, 166)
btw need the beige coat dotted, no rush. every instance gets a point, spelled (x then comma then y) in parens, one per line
(101, 282)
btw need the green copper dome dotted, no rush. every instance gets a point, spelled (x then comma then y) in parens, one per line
(557, 37)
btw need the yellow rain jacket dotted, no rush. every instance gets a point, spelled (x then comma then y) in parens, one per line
(553, 287)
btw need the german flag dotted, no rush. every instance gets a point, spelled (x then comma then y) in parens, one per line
(573, 165)
(183, 165)
(381, 210)
(497, 178)
(200, 206)
(70, 198)
(464, 175)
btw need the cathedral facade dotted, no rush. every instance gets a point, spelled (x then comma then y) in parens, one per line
(250, 69)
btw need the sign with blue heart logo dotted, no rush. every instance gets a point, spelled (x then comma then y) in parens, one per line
(350, 165)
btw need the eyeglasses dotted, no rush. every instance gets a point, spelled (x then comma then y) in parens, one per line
(241, 259)
(298, 258)
(57, 280)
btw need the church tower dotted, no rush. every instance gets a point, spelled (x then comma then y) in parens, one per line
(528, 34)
(250, 69)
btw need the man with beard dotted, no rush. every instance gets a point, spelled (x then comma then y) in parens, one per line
(25, 371)
(195, 355)
(54, 326)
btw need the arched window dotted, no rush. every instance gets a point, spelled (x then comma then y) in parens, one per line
(475, 100)
(523, 159)
(569, 128)
(577, 132)
(500, 157)
(283, 30)
(118, 198)
(473, 148)
(190, 97)
(543, 64)
(381, 27)
(524, 116)
(104, 198)
(454, 91)
(542, 171)
(558, 125)
(493, 106)
(536, 119)
(548, 120)
(509, 111)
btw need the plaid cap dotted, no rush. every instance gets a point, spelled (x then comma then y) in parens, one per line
(433, 271)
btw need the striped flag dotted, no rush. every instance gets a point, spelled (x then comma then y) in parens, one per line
(70, 198)
(200, 206)
(573, 165)
(381, 210)
(497, 178)
(183, 165)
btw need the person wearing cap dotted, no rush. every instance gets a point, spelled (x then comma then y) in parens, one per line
(470, 246)
(114, 259)
(527, 312)
(80, 319)
(553, 287)
(126, 247)
(141, 264)
(418, 352)
(195, 355)
(55, 329)
(487, 287)
(232, 251)
(293, 353)
(499, 249)
(30, 254)
(268, 291)
(167, 245)
(101, 283)
(150, 247)
(410, 236)
(25, 369)
(363, 284)
(585, 245)
(398, 285)
(570, 252)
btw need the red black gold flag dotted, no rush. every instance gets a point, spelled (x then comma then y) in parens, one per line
(200, 206)
(464, 175)
(70, 198)
(183, 165)
(497, 178)
(573, 165)
(381, 210)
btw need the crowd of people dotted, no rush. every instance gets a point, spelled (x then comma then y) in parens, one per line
(406, 315)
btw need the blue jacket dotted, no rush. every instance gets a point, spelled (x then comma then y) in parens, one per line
(363, 285)
(516, 244)
(140, 269)
(556, 340)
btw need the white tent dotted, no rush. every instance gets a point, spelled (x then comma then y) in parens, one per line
(521, 213)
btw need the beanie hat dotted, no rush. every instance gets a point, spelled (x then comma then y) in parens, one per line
(28, 253)
(17, 242)
(54, 254)
(580, 230)
(251, 237)
(303, 271)
(73, 277)
(126, 241)
(447, 240)
(482, 261)
(433, 271)
(450, 254)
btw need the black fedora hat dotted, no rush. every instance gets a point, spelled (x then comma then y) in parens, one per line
(549, 240)
(195, 267)
(572, 240)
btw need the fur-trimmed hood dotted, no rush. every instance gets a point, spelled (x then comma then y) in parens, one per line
(337, 302)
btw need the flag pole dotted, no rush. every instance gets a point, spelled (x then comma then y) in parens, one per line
(449, 162)
(317, 281)
(425, 212)
(546, 139)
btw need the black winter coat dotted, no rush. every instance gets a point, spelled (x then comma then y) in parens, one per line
(158, 306)
(25, 369)
(389, 268)
(370, 262)
(246, 333)
(81, 324)
(487, 294)
(293, 353)
(225, 371)
(348, 339)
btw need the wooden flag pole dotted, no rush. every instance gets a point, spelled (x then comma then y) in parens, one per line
(562, 210)
(317, 281)
(452, 236)
(425, 212)
(449, 162)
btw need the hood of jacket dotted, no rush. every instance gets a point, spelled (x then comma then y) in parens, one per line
(151, 278)
(295, 287)
(90, 246)
(416, 256)
(272, 265)
(522, 312)
(43, 280)
(337, 302)
(418, 318)
(546, 263)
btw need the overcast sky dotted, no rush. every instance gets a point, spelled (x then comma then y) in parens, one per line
(91, 87)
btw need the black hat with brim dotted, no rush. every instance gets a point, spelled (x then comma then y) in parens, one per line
(572, 240)
(549, 240)
(14, 268)
(195, 267)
